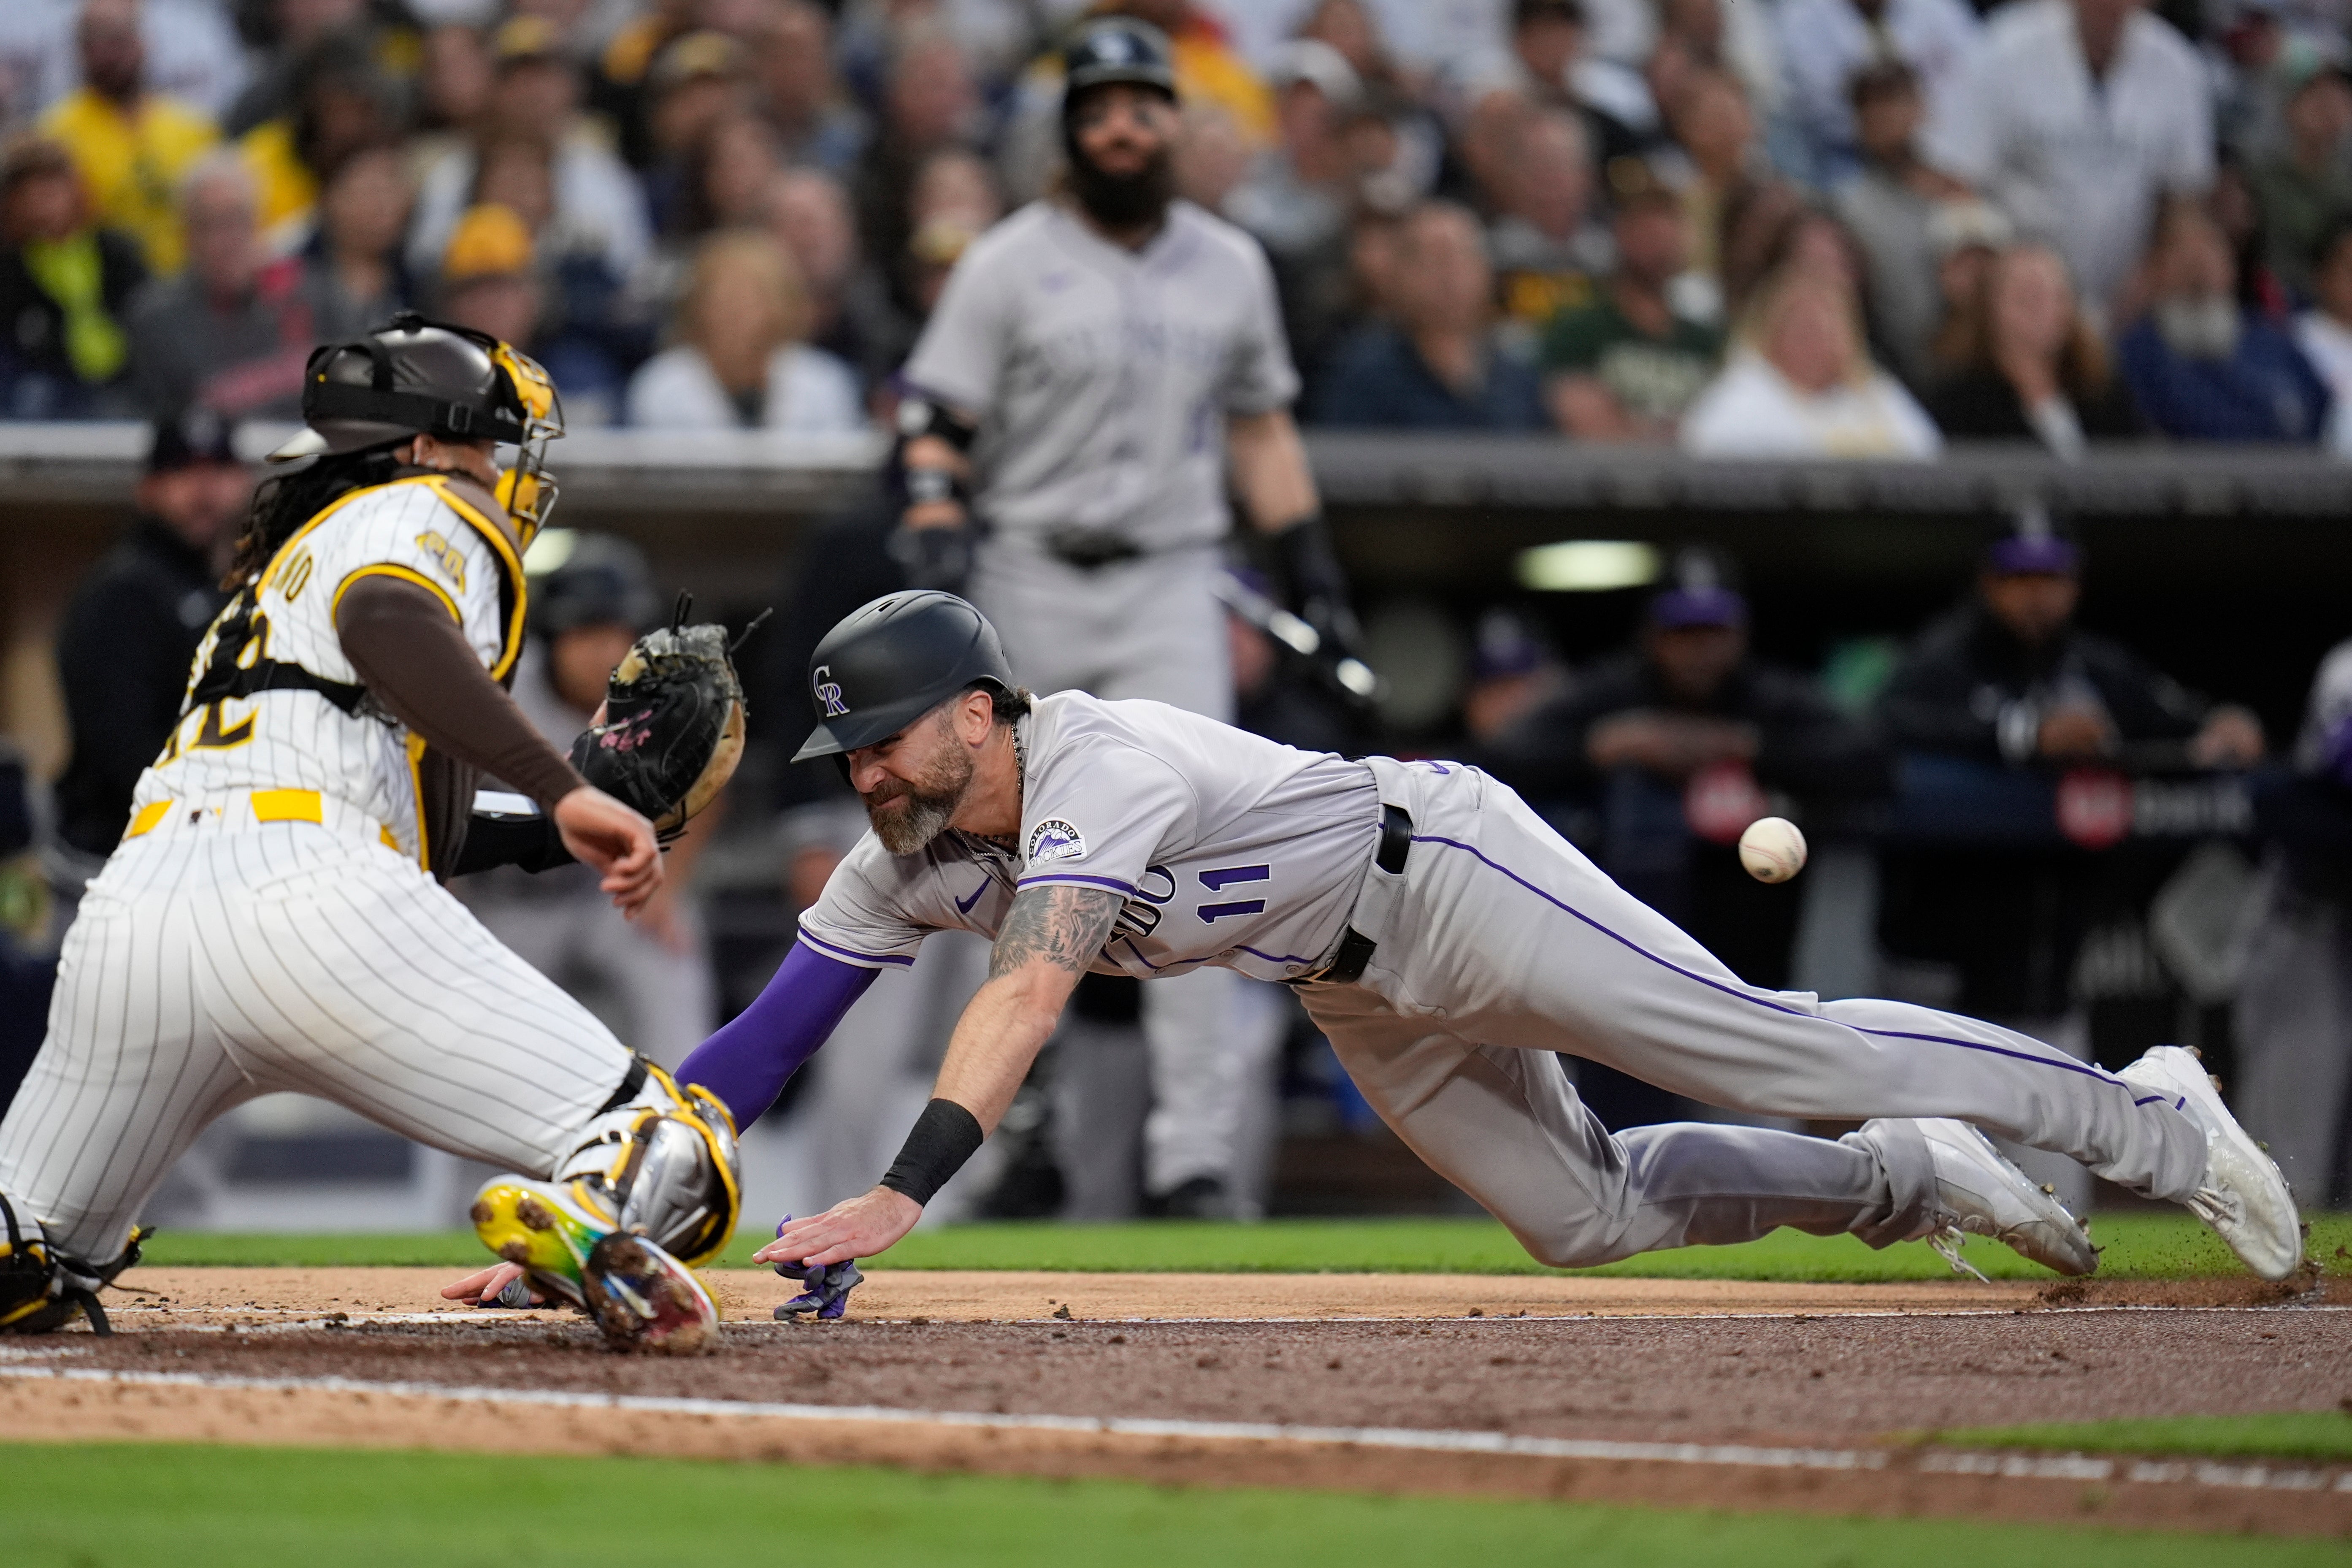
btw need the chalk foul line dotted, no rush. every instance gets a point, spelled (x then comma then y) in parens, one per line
(2007, 1466)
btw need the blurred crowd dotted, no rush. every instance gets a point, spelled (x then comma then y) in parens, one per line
(1777, 227)
(1805, 228)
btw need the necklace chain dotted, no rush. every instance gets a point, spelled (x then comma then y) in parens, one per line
(1011, 842)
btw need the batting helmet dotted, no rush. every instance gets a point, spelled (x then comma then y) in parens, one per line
(605, 581)
(416, 377)
(1117, 49)
(894, 660)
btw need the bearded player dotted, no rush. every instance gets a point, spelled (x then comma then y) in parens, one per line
(273, 919)
(1448, 944)
(1100, 365)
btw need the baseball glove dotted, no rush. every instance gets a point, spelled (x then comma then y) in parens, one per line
(672, 729)
(825, 1287)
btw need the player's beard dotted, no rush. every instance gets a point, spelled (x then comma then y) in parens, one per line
(1122, 202)
(932, 800)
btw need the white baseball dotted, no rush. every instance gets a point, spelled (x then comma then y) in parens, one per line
(1772, 849)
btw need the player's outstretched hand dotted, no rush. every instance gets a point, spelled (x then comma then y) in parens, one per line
(860, 1228)
(482, 1287)
(601, 832)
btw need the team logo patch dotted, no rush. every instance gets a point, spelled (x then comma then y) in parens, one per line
(827, 692)
(1054, 839)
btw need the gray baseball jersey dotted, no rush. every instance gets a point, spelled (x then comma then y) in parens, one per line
(1496, 946)
(1248, 855)
(1102, 376)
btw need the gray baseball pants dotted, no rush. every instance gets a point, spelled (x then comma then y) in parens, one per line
(1499, 944)
(1152, 627)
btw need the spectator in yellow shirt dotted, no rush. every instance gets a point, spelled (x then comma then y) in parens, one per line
(130, 146)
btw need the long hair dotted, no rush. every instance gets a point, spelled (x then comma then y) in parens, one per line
(1967, 341)
(286, 501)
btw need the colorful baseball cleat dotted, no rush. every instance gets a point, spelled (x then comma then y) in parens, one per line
(643, 1299)
(1982, 1194)
(2243, 1195)
(662, 1165)
(547, 1227)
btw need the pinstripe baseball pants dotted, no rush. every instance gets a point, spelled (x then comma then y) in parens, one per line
(1499, 944)
(213, 964)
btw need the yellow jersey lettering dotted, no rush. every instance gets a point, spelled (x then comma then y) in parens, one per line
(297, 575)
(451, 559)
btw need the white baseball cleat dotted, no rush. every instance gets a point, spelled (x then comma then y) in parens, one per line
(1983, 1195)
(2243, 1195)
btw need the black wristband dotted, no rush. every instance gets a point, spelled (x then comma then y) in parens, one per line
(945, 1136)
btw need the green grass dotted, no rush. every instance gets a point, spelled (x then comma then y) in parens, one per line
(2150, 1246)
(128, 1506)
(2320, 1435)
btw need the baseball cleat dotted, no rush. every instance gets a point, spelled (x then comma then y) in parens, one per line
(2243, 1196)
(546, 1228)
(1982, 1194)
(646, 1300)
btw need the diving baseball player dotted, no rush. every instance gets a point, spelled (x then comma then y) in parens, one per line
(1105, 356)
(272, 919)
(1448, 942)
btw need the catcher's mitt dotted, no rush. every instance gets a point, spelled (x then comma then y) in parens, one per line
(673, 725)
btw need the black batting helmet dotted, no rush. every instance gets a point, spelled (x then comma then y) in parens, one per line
(890, 662)
(1115, 49)
(605, 581)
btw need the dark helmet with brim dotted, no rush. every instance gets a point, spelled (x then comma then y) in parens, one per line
(893, 660)
(1116, 49)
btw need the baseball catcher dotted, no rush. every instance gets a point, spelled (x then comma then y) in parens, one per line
(273, 919)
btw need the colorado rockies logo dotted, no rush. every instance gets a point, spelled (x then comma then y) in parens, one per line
(828, 693)
(1055, 839)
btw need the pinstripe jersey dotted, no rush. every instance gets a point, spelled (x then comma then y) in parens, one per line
(421, 530)
(1225, 847)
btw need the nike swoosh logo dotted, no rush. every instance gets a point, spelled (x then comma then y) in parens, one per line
(963, 906)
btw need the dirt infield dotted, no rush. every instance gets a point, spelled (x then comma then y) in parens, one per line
(169, 1297)
(1664, 1391)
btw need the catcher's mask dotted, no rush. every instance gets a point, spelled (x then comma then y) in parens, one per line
(894, 660)
(416, 377)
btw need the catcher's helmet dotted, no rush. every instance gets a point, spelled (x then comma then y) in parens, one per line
(416, 377)
(1117, 49)
(889, 663)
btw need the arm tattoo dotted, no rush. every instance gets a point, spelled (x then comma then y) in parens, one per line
(1066, 926)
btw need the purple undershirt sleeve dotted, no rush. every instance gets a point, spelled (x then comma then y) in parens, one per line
(746, 1063)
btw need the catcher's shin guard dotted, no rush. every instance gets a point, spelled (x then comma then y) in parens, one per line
(41, 1289)
(662, 1166)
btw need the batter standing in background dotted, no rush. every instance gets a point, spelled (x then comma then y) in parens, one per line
(1098, 363)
